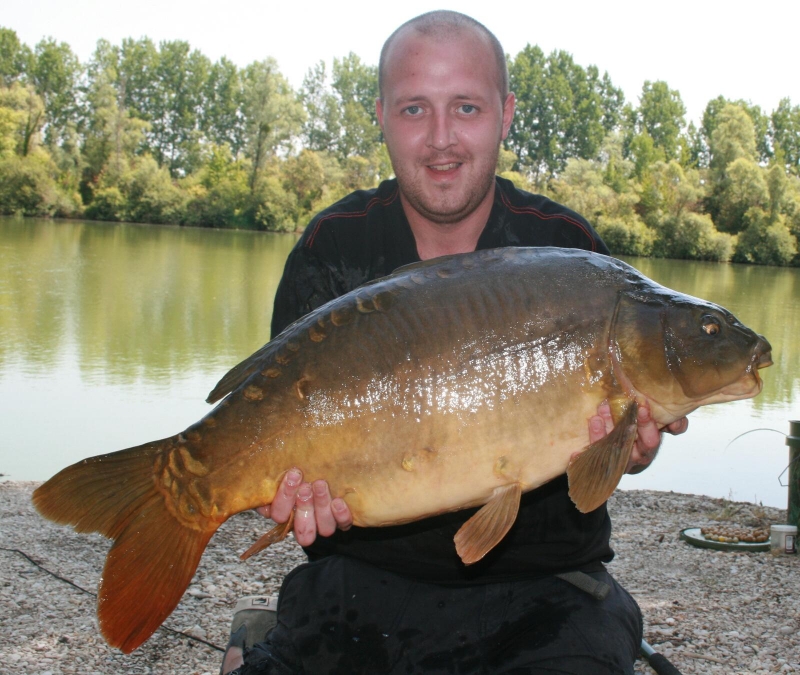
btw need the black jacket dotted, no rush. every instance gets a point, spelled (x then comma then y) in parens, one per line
(366, 236)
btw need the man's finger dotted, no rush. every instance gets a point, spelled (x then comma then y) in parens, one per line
(597, 428)
(283, 503)
(341, 512)
(678, 426)
(601, 424)
(305, 524)
(649, 437)
(326, 523)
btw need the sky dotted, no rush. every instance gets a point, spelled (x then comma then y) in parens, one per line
(702, 48)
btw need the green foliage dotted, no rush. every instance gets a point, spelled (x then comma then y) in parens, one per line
(733, 137)
(158, 133)
(274, 208)
(55, 72)
(563, 111)
(21, 119)
(151, 194)
(765, 241)
(28, 187)
(14, 57)
(742, 187)
(692, 236)
(661, 117)
(786, 134)
(583, 188)
(272, 114)
(760, 122)
(108, 203)
(628, 236)
(341, 115)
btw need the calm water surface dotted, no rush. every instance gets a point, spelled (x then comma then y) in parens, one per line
(112, 335)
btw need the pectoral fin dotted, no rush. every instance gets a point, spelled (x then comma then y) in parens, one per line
(481, 533)
(595, 473)
(276, 534)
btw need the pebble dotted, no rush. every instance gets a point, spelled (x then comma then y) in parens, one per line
(710, 612)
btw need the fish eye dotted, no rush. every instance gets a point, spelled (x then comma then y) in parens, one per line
(710, 325)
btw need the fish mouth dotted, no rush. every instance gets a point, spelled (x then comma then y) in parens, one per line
(762, 355)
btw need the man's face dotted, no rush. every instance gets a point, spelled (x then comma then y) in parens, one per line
(443, 119)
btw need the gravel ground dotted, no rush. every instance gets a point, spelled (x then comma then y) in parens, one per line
(708, 611)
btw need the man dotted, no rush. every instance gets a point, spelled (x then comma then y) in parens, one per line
(397, 599)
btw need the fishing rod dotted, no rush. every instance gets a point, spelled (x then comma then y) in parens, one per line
(658, 662)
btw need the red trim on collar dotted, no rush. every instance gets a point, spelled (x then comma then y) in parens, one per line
(359, 214)
(544, 216)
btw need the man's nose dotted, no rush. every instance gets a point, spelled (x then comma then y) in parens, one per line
(441, 134)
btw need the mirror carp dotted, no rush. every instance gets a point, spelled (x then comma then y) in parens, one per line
(457, 382)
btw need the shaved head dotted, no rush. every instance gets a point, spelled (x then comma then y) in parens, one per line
(443, 25)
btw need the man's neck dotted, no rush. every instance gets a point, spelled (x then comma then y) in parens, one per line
(438, 239)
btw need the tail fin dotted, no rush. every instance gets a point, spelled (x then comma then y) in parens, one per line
(154, 555)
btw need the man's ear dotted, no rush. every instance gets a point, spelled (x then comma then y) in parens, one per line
(509, 106)
(379, 113)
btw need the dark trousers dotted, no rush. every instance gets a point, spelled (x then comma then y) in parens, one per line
(341, 616)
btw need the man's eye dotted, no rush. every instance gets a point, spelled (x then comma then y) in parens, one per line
(467, 109)
(413, 110)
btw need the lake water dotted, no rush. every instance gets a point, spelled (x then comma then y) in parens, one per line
(113, 335)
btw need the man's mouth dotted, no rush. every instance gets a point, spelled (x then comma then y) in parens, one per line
(444, 167)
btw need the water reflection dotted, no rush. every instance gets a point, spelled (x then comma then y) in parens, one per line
(131, 302)
(112, 335)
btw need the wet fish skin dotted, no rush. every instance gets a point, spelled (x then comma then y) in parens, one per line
(453, 383)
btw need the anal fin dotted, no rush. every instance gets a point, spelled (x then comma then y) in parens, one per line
(276, 534)
(595, 473)
(481, 533)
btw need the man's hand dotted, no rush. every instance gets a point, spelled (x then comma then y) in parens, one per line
(648, 438)
(314, 510)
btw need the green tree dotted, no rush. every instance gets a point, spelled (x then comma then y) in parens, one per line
(661, 115)
(341, 114)
(273, 116)
(563, 111)
(222, 122)
(15, 57)
(743, 187)
(55, 73)
(182, 74)
(582, 186)
(22, 113)
(304, 175)
(138, 81)
(765, 241)
(786, 133)
(761, 123)
(219, 193)
(737, 182)
(356, 87)
(323, 125)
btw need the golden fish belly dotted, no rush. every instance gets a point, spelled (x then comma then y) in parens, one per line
(418, 442)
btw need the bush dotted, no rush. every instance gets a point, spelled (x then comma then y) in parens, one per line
(765, 241)
(28, 187)
(151, 194)
(107, 204)
(223, 205)
(692, 236)
(626, 237)
(273, 208)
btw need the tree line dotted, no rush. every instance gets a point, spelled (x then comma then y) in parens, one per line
(161, 134)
